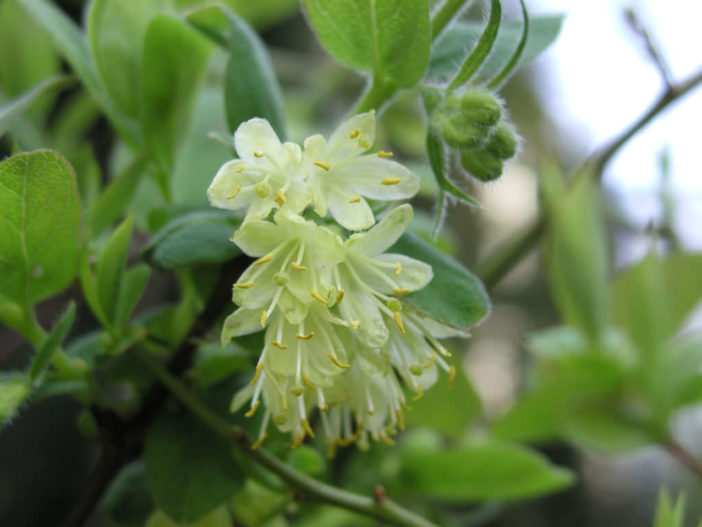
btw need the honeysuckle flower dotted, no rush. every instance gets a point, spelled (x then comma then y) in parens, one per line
(267, 174)
(340, 177)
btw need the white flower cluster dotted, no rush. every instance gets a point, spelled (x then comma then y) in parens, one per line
(338, 336)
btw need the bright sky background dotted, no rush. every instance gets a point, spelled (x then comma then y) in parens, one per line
(599, 79)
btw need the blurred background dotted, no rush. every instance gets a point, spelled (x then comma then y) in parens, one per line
(595, 80)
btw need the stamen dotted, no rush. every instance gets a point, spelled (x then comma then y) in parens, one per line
(298, 441)
(355, 133)
(318, 297)
(398, 268)
(280, 197)
(235, 192)
(258, 154)
(279, 345)
(390, 181)
(308, 382)
(401, 291)
(298, 267)
(336, 361)
(355, 199)
(322, 165)
(239, 168)
(340, 296)
(400, 419)
(398, 321)
(321, 403)
(404, 405)
(451, 375)
(254, 407)
(259, 441)
(305, 337)
(420, 392)
(259, 367)
(382, 154)
(308, 428)
(264, 259)
(431, 361)
(384, 437)
(264, 318)
(244, 285)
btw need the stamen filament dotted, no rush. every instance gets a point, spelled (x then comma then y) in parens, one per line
(254, 407)
(336, 361)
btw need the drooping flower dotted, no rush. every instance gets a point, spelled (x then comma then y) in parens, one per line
(340, 177)
(267, 175)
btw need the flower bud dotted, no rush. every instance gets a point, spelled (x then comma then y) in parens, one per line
(482, 164)
(458, 132)
(481, 108)
(503, 141)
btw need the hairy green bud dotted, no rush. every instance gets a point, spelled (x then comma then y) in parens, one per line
(503, 141)
(482, 164)
(481, 108)
(461, 133)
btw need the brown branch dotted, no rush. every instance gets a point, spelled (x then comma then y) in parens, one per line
(679, 452)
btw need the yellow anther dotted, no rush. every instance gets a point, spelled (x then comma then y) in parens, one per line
(308, 428)
(239, 168)
(355, 199)
(355, 133)
(259, 441)
(420, 392)
(244, 285)
(264, 259)
(264, 318)
(324, 408)
(280, 197)
(382, 154)
(451, 375)
(259, 367)
(298, 441)
(297, 266)
(336, 361)
(398, 321)
(390, 180)
(398, 268)
(285, 403)
(384, 437)
(400, 419)
(355, 324)
(235, 192)
(258, 154)
(251, 412)
(340, 296)
(431, 362)
(405, 406)
(308, 382)
(401, 291)
(318, 297)
(279, 345)
(305, 337)
(322, 165)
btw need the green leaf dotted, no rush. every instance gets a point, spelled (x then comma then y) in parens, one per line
(482, 49)
(455, 296)
(606, 430)
(128, 500)
(190, 471)
(389, 38)
(193, 239)
(70, 42)
(16, 107)
(307, 460)
(217, 518)
(133, 285)
(576, 251)
(110, 269)
(667, 514)
(453, 47)
(653, 298)
(256, 504)
(514, 59)
(173, 64)
(52, 343)
(24, 62)
(14, 389)
(116, 35)
(447, 410)
(482, 471)
(115, 198)
(41, 215)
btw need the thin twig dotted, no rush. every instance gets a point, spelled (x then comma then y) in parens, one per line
(632, 18)
(679, 452)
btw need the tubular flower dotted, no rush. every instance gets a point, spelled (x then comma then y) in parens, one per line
(340, 177)
(338, 336)
(267, 174)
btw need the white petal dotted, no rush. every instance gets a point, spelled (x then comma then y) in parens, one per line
(242, 322)
(224, 185)
(315, 149)
(352, 216)
(375, 178)
(258, 238)
(256, 135)
(414, 274)
(358, 305)
(384, 234)
(241, 397)
(296, 198)
(353, 137)
(438, 330)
